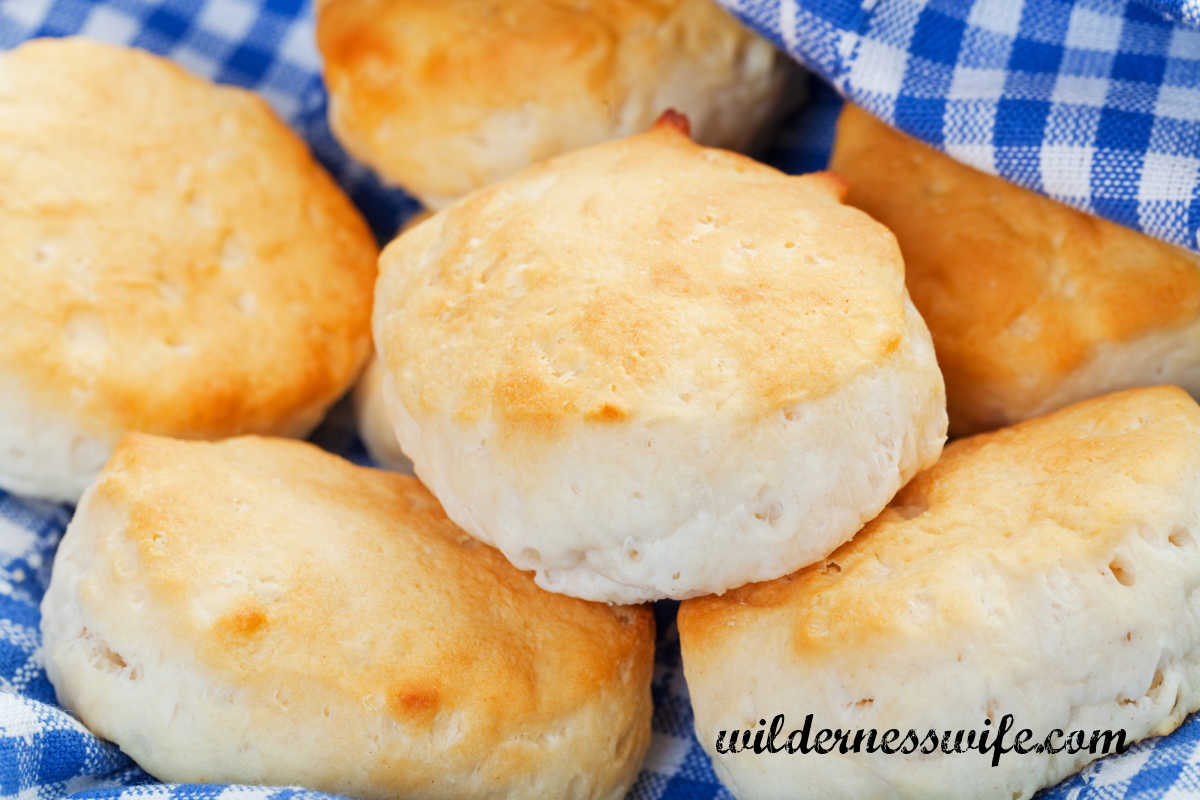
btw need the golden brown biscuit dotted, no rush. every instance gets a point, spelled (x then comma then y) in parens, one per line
(260, 611)
(1048, 571)
(173, 260)
(1032, 305)
(444, 96)
(649, 368)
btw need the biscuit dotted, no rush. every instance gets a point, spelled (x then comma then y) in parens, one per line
(1032, 305)
(444, 97)
(374, 423)
(261, 611)
(651, 369)
(371, 418)
(174, 260)
(1047, 571)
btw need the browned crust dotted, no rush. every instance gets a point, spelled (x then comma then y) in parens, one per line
(175, 260)
(1017, 289)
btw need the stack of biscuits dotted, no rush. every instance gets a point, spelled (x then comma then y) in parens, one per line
(625, 363)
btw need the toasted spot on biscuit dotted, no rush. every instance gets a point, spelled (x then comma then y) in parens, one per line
(606, 413)
(414, 702)
(243, 622)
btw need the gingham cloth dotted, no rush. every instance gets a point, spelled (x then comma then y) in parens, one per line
(268, 46)
(1095, 103)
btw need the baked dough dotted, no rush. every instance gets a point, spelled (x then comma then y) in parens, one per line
(172, 260)
(261, 611)
(650, 369)
(445, 96)
(1032, 305)
(1048, 571)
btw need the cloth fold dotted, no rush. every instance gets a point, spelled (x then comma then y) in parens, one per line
(1095, 103)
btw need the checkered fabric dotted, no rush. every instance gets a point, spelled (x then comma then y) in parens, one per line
(1095, 103)
(268, 46)
(1185, 11)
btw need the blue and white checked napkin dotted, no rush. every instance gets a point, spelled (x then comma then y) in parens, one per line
(1094, 102)
(1097, 103)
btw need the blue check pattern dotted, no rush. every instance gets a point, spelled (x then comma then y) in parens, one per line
(1095, 103)
(919, 64)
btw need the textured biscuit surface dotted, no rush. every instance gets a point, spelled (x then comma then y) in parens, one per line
(1032, 305)
(1048, 571)
(374, 422)
(371, 416)
(173, 261)
(676, 332)
(303, 620)
(443, 97)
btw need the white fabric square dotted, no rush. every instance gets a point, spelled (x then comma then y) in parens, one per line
(1178, 102)
(110, 25)
(879, 67)
(1066, 170)
(999, 16)
(299, 47)
(1167, 177)
(227, 20)
(1090, 30)
(1081, 91)
(1185, 43)
(28, 12)
(970, 83)
(979, 156)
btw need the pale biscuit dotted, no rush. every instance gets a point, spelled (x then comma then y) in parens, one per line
(444, 96)
(1032, 305)
(650, 369)
(174, 261)
(1047, 571)
(260, 611)
(374, 421)
(371, 416)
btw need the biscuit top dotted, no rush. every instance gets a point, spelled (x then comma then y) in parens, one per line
(1017, 289)
(642, 278)
(488, 54)
(283, 565)
(172, 258)
(1056, 492)
(437, 69)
